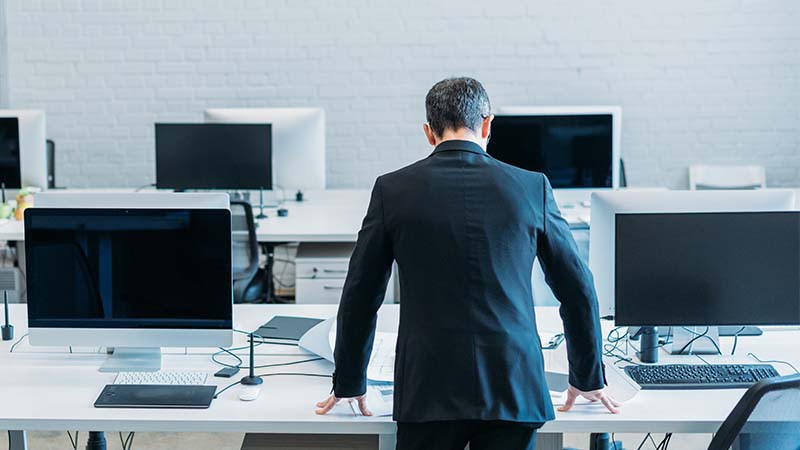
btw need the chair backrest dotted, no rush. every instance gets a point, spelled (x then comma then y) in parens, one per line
(703, 177)
(244, 245)
(766, 418)
(51, 164)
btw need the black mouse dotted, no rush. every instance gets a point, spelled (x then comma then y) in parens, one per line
(283, 212)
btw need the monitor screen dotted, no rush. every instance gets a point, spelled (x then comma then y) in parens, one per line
(574, 151)
(135, 268)
(9, 152)
(685, 269)
(213, 156)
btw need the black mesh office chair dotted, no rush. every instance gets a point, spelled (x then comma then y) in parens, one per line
(51, 164)
(766, 418)
(248, 280)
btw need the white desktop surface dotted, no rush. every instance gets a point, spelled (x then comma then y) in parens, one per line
(51, 389)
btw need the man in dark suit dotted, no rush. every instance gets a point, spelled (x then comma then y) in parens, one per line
(465, 229)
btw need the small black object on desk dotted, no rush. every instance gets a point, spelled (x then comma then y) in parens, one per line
(252, 379)
(261, 214)
(298, 196)
(283, 212)
(7, 328)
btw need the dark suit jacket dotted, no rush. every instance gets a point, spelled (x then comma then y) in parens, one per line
(465, 229)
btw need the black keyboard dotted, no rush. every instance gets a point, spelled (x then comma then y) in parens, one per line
(697, 376)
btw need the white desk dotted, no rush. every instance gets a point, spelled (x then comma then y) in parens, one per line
(50, 389)
(324, 216)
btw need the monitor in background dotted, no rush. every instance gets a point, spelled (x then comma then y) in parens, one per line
(26, 166)
(204, 156)
(577, 148)
(298, 142)
(9, 152)
(606, 205)
(699, 269)
(151, 271)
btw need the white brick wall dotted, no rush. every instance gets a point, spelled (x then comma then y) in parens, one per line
(711, 80)
(3, 56)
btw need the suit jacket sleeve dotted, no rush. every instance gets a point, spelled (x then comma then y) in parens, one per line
(363, 294)
(573, 285)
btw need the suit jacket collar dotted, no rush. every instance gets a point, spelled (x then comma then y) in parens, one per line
(459, 146)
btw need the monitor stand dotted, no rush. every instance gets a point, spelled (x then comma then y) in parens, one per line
(133, 359)
(686, 341)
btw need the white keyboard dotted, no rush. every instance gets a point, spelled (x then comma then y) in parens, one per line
(162, 377)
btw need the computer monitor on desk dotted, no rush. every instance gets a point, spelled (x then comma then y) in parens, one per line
(577, 147)
(706, 269)
(606, 205)
(298, 142)
(203, 156)
(133, 272)
(23, 155)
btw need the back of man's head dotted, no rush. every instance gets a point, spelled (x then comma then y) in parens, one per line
(456, 103)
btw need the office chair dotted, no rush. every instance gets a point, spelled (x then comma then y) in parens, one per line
(51, 164)
(766, 418)
(702, 177)
(248, 280)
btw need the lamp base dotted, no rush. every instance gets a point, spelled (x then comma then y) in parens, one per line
(8, 332)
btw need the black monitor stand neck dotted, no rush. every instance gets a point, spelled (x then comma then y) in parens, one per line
(261, 214)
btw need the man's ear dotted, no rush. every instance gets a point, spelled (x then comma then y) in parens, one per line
(429, 134)
(486, 126)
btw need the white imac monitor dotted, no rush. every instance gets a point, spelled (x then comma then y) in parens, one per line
(605, 206)
(23, 152)
(298, 142)
(577, 147)
(136, 272)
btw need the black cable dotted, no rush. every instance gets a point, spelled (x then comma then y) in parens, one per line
(703, 359)
(773, 361)
(614, 441)
(293, 374)
(697, 336)
(14, 345)
(736, 340)
(142, 188)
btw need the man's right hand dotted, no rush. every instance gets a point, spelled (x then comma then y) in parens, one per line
(594, 396)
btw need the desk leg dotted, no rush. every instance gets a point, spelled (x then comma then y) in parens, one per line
(17, 440)
(387, 441)
(269, 249)
(549, 441)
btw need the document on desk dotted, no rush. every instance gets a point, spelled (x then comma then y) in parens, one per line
(321, 340)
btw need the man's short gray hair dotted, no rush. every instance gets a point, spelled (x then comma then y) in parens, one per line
(456, 103)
